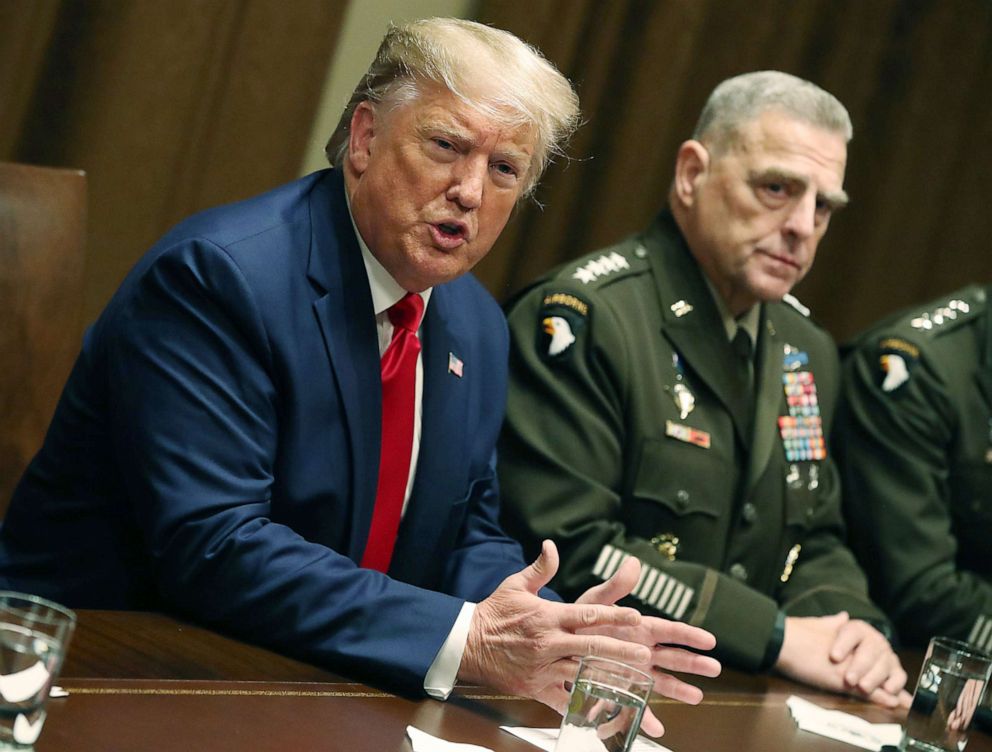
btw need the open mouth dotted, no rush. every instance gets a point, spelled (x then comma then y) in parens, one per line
(449, 235)
(451, 230)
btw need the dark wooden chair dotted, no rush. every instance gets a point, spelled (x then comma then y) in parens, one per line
(42, 241)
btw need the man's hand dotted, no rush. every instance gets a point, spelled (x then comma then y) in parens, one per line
(661, 635)
(525, 645)
(843, 655)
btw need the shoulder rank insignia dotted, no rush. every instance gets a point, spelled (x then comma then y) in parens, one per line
(793, 301)
(600, 267)
(560, 318)
(940, 315)
(896, 358)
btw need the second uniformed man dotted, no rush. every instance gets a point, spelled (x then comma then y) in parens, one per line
(666, 404)
(915, 423)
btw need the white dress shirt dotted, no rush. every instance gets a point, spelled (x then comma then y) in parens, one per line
(386, 291)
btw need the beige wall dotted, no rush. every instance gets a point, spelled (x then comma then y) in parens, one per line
(364, 26)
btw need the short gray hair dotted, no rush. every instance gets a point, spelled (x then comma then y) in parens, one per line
(521, 87)
(743, 98)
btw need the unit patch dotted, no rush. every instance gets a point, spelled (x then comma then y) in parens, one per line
(560, 318)
(896, 358)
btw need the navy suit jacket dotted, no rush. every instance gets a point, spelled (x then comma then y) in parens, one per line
(216, 448)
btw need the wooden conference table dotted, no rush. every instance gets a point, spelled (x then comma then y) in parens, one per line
(148, 682)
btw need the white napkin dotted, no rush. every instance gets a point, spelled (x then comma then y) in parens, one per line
(843, 726)
(421, 741)
(545, 739)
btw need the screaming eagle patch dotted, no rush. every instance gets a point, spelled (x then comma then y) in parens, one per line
(896, 358)
(559, 320)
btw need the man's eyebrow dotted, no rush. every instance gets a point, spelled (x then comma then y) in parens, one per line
(465, 137)
(518, 157)
(834, 199)
(447, 130)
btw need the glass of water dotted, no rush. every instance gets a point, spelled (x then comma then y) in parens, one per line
(34, 634)
(605, 708)
(948, 692)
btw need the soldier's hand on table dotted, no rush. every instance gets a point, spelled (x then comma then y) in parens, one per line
(661, 635)
(872, 667)
(525, 645)
(843, 655)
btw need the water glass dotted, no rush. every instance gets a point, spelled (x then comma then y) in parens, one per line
(605, 708)
(34, 635)
(950, 688)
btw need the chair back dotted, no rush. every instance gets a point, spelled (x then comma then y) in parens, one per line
(42, 241)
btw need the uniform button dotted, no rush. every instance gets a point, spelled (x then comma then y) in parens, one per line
(749, 512)
(682, 498)
(738, 571)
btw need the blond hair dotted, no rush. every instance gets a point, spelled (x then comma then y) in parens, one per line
(489, 69)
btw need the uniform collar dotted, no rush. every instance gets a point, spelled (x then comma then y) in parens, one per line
(749, 321)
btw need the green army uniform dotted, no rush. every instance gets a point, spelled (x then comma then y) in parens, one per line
(627, 435)
(915, 424)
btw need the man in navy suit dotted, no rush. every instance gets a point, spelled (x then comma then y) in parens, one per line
(216, 450)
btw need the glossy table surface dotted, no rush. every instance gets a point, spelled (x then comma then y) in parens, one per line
(141, 681)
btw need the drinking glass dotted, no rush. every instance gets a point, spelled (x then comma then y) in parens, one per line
(34, 635)
(605, 708)
(949, 690)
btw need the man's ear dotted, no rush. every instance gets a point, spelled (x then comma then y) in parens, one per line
(691, 164)
(361, 134)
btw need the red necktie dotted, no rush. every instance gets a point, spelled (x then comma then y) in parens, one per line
(399, 385)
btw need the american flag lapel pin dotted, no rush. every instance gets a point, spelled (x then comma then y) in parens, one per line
(455, 365)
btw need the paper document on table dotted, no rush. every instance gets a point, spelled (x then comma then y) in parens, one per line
(842, 726)
(545, 739)
(421, 741)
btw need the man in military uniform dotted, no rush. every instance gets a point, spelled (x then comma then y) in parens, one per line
(641, 424)
(915, 426)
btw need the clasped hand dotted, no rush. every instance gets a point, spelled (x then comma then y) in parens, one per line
(525, 645)
(843, 655)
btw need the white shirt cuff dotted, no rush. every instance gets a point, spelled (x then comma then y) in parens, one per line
(440, 679)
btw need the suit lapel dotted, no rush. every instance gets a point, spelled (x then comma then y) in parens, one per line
(344, 312)
(442, 466)
(692, 322)
(768, 381)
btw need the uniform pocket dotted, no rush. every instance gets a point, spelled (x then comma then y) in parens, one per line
(801, 497)
(683, 478)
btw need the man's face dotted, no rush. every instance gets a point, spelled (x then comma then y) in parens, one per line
(432, 184)
(756, 210)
